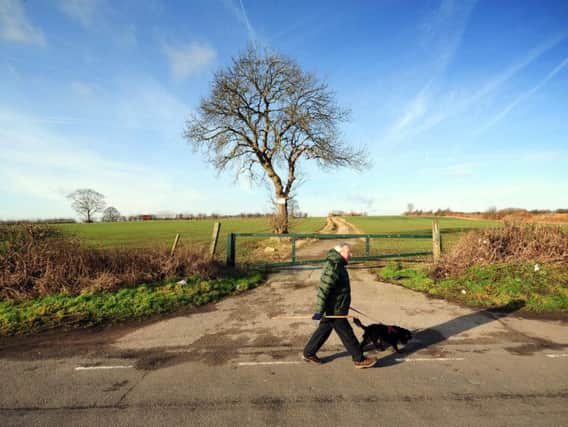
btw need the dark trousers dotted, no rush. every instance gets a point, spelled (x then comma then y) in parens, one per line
(345, 332)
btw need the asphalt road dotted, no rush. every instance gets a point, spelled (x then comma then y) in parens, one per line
(231, 363)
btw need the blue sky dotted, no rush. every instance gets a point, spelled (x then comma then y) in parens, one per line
(461, 104)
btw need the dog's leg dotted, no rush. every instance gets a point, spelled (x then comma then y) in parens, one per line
(396, 348)
(377, 345)
(382, 344)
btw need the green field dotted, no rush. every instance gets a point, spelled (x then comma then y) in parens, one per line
(143, 234)
(412, 224)
(451, 229)
(198, 232)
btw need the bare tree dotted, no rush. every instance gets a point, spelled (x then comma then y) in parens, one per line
(87, 202)
(490, 213)
(111, 214)
(409, 208)
(264, 114)
(293, 207)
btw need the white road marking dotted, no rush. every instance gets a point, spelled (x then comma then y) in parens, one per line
(267, 363)
(555, 356)
(430, 359)
(90, 368)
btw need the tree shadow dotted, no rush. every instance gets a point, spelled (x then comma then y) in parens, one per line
(425, 338)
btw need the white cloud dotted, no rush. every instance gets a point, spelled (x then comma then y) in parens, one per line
(245, 183)
(457, 170)
(471, 196)
(190, 58)
(44, 165)
(15, 25)
(542, 156)
(83, 11)
(97, 16)
(82, 89)
(143, 103)
(362, 202)
(133, 103)
(530, 194)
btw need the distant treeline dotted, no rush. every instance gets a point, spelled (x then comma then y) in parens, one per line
(162, 217)
(38, 221)
(153, 217)
(491, 213)
(347, 213)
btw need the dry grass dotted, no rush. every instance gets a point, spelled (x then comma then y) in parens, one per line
(513, 243)
(37, 260)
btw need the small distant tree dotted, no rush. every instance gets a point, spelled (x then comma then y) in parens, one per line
(111, 214)
(264, 116)
(87, 202)
(490, 213)
(409, 208)
(293, 208)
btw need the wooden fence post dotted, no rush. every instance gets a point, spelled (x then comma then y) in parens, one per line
(436, 240)
(174, 245)
(214, 239)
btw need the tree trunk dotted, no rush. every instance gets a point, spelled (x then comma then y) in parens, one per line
(282, 214)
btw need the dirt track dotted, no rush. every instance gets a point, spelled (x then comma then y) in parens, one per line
(318, 248)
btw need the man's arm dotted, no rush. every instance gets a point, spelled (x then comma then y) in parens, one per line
(327, 282)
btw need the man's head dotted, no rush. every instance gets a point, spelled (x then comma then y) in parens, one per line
(344, 250)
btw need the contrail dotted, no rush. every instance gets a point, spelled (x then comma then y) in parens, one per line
(250, 29)
(524, 96)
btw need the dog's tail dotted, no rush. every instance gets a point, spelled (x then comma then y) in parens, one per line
(358, 323)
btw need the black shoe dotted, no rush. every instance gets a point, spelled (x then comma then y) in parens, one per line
(312, 359)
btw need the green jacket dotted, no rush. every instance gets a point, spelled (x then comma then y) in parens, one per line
(334, 293)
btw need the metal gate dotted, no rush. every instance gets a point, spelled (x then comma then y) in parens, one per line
(232, 242)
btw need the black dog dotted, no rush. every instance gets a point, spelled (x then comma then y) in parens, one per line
(392, 335)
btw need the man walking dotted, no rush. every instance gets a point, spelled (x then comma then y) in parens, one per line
(334, 299)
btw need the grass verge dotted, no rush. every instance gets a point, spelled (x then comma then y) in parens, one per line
(94, 308)
(490, 286)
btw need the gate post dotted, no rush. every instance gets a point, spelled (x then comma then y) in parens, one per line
(436, 240)
(174, 246)
(367, 246)
(231, 249)
(293, 249)
(214, 239)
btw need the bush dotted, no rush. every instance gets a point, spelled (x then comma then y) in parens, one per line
(38, 260)
(514, 266)
(512, 243)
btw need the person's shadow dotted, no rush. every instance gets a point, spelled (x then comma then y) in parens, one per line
(424, 338)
